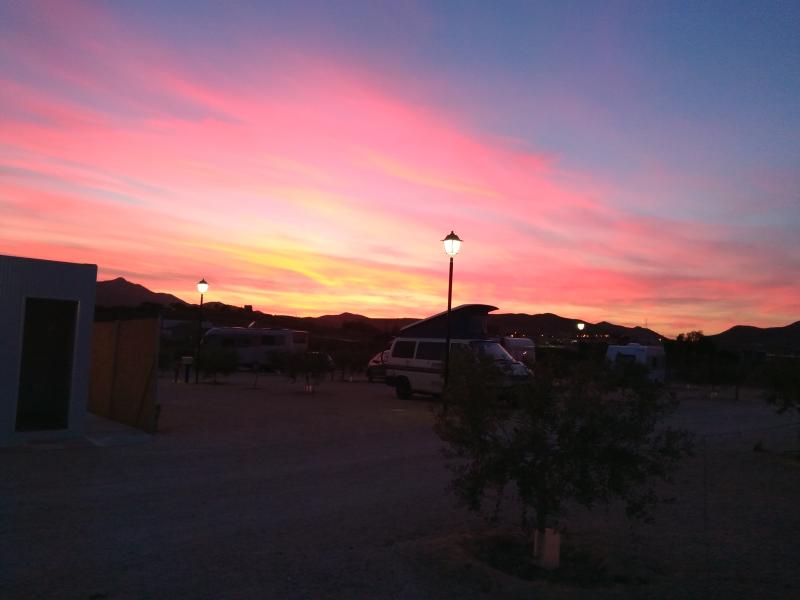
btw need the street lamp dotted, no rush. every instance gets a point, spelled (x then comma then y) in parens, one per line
(202, 287)
(580, 327)
(452, 244)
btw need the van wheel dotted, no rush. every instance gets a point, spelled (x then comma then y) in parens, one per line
(402, 388)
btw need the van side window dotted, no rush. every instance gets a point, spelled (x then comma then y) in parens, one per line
(430, 350)
(626, 359)
(403, 349)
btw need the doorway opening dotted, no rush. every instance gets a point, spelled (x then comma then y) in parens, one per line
(45, 380)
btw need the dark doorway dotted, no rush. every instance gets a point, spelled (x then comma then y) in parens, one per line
(45, 378)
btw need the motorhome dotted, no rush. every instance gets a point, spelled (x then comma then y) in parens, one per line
(651, 357)
(416, 359)
(255, 347)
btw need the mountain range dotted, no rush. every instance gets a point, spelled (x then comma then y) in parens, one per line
(769, 339)
(122, 293)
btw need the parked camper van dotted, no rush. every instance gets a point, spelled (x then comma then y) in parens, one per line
(255, 346)
(416, 358)
(651, 357)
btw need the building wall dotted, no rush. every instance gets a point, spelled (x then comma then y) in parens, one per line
(22, 278)
(124, 372)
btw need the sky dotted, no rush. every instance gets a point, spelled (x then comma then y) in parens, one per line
(624, 161)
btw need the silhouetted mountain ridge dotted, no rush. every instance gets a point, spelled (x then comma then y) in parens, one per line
(767, 339)
(121, 292)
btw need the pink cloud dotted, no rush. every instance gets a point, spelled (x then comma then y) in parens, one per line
(327, 191)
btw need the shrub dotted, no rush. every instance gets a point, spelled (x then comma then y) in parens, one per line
(589, 437)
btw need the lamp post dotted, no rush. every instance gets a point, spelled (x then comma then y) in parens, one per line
(452, 244)
(580, 327)
(202, 287)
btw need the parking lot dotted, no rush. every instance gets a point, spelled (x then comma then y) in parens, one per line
(275, 492)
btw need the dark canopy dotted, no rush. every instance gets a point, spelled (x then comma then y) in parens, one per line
(466, 321)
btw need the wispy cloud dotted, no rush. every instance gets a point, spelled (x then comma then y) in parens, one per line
(309, 186)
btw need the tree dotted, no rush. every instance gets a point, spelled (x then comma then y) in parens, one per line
(588, 438)
(781, 378)
(343, 359)
(691, 337)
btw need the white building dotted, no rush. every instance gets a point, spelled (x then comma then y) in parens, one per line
(46, 317)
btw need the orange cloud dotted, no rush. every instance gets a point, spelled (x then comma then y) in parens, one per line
(324, 191)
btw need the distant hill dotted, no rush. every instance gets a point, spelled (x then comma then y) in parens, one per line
(531, 325)
(121, 292)
(551, 325)
(643, 335)
(768, 339)
(336, 321)
(382, 324)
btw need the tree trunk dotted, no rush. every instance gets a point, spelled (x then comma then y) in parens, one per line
(546, 542)
(547, 548)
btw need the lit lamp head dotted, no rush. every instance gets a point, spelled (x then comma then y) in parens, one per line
(580, 326)
(452, 244)
(202, 286)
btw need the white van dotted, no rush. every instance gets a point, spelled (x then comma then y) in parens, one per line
(416, 358)
(416, 365)
(256, 346)
(651, 357)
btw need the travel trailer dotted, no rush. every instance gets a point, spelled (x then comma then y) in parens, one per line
(651, 357)
(256, 346)
(416, 359)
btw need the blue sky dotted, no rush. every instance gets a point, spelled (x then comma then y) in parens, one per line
(641, 158)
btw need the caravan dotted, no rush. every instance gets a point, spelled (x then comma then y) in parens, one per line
(651, 358)
(416, 358)
(255, 347)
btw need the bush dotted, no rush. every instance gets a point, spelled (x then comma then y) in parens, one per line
(588, 437)
(781, 379)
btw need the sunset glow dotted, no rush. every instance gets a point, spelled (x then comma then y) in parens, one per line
(302, 165)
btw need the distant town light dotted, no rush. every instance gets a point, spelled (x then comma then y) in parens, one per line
(202, 286)
(452, 244)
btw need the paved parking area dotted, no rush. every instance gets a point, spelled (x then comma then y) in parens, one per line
(269, 493)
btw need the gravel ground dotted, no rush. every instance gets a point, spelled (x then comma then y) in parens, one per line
(276, 493)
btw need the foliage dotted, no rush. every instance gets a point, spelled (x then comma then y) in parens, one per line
(781, 377)
(691, 337)
(588, 438)
(695, 358)
(344, 359)
(315, 364)
(214, 360)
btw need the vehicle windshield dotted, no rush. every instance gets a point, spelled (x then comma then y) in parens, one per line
(491, 350)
